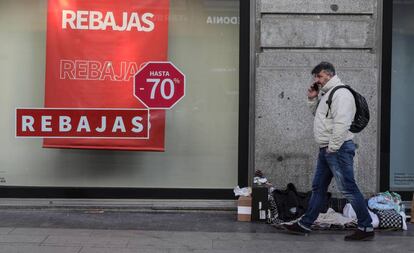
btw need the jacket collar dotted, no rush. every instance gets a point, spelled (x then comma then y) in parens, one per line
(335, 81)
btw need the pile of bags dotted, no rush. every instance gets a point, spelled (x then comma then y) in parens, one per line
(386, 209)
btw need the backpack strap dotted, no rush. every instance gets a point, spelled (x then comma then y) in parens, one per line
(329, 101)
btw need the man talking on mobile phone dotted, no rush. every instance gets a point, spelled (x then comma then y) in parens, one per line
(336, 152)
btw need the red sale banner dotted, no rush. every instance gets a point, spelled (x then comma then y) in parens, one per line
(94, 49)
(159, 85)
(82, 122)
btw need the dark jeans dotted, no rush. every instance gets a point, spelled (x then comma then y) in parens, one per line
(340, 165)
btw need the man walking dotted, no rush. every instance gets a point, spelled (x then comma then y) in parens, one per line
(336, 153)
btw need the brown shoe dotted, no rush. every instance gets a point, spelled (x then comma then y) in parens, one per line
(360, 235)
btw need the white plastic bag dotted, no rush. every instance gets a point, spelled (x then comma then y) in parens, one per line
(246, 191)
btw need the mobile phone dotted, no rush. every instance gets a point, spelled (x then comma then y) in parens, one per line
(315, 86)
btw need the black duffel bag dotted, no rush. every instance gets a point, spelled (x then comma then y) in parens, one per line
(292, 204)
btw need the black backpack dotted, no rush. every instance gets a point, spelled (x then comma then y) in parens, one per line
(290, 203)
(361, 118)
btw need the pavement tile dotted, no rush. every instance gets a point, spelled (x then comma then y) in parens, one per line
(277, 235)
(263, 240)
(22, 238)
(86, 241)
(228, 235)
(6, 230)
(189, 242)
(192, 235)
(254, 245)
(231, 236)
(121, 250)
(51, 231)
(221, 251)
(212, 251)
(37, 249)
(356, 247)
(131, 233)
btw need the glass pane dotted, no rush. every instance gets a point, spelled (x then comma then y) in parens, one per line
(402, 102)
(201, 130)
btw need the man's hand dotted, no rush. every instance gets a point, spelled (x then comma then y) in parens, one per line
(330, 151)
(312, 92)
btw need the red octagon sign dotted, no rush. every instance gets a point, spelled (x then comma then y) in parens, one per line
(159, 85)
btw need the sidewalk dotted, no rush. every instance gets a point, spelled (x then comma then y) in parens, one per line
(63, 231)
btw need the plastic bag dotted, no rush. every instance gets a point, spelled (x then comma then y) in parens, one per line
(246, 191)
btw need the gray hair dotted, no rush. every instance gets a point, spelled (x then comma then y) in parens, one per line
(327, 66)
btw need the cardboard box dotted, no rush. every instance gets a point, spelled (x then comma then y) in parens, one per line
(244, 208)
(260, 203)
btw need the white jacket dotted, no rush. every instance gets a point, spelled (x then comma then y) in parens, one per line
(333, 131)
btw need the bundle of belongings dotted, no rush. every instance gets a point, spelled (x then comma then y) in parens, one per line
(389, 209)
(385, 209)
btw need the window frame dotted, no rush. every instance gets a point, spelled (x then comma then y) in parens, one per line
(171, 193)
(385, 124)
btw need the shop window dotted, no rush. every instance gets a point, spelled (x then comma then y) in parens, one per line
(402, 103)
(201, 134)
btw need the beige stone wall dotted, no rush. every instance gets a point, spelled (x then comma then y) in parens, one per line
(294, 36)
